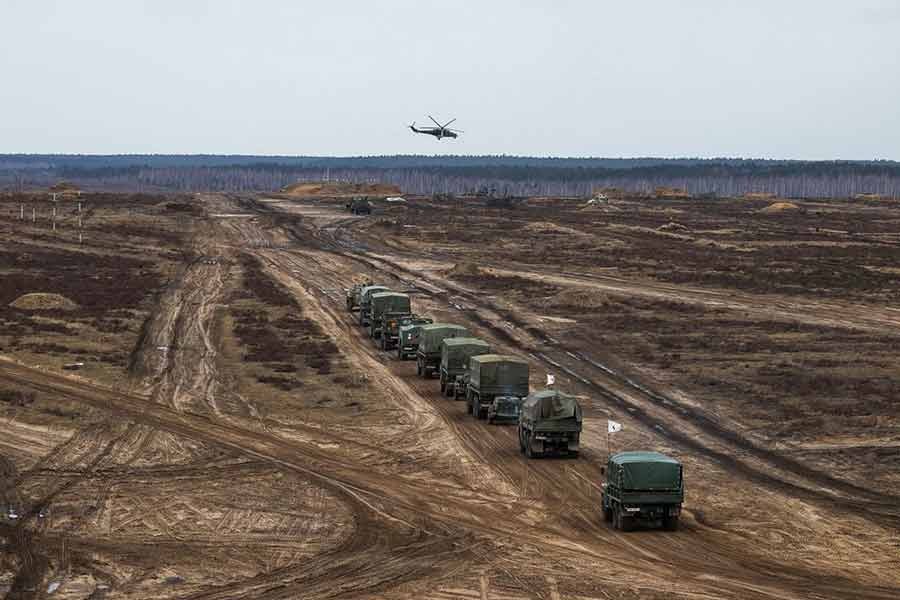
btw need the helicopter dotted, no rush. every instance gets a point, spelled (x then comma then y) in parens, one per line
(441, 131)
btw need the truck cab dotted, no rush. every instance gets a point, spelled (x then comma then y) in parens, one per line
(504, 409)
(365, 299)
(642, 487)
(408, 335)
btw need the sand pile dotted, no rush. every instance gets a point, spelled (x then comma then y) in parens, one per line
(672, 226)
(38, 301)
(340, 189)
(780, 207)
(466, 269)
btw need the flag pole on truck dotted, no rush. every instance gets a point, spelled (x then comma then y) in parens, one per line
(611, 427)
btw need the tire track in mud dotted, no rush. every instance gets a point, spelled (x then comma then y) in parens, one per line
(584, 519)
(396, 504)
(879, 507)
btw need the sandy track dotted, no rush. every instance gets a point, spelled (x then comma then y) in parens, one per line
(442, 506)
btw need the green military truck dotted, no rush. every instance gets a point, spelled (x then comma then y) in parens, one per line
(492, 375)
(385, 303)
(408, 335)
(428, 356)
(645, 487)
(390, 328)
(504, 409)
(365, 297)
(455, 354)
(550, 423)
(353, 295)
(360, 205)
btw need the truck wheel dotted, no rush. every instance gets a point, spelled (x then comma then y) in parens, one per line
(528, 451)
(418, 368)
(627, 523)
(670, 523)
(443, 385)
(521, 445)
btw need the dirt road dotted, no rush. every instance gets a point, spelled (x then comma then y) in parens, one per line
(411, 498)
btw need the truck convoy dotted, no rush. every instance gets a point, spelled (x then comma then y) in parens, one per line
(640, 487)
(455, 354)
(428, 356)
(550, 422)
(408, 335)
(646, 487)
(492, 375)
(383, 304)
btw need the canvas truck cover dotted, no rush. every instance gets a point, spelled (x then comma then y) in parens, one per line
(368, 290)
(647, 471)
(386, 302)
(455, 352)
(551, 405)
(508, 374)
(431, 336)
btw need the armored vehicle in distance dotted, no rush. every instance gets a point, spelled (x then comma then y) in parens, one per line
(455, 354)
(646, 487)
(365, 297)
(550, 422)
(385, 303)
(492, 375)
(360, 205)
(408, 335)
(428, 356)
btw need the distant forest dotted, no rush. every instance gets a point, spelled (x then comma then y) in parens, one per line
(505, 175)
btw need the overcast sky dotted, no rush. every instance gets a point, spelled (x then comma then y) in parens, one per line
(768, 78)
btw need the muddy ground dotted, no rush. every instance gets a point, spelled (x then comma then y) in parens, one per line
(233, 434)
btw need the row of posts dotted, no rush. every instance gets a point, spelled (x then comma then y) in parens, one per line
(34, 216)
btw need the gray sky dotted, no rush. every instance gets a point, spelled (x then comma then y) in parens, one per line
(783, 79)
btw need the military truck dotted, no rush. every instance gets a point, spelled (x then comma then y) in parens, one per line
(550, 422)
(353, 295)
(455, 353)
(408, 335)
(504, 409)
(642, 487)
(492, 375)
(382, 303)
(390, 328)
(428, 356)
(365, 297)
(360, 205)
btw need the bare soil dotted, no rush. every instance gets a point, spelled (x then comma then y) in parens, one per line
(249, 441)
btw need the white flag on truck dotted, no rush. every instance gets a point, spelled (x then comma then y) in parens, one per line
(550, 379)
(612, 426)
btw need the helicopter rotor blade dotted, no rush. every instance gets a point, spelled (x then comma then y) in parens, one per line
(435, 122)
(447, 123)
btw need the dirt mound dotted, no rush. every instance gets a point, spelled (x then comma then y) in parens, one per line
(38, 301)
(672, 226)
(576, 299)
(780, 207)
(338, 189)
(466, 269)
